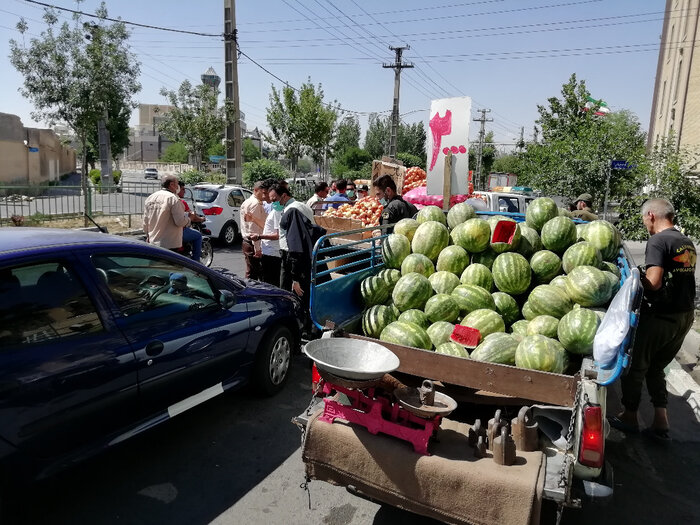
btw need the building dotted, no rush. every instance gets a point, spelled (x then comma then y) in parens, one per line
(31, 155)
(676, 103)
(211, 79)
(146, 143)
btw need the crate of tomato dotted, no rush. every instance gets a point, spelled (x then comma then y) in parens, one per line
(361, 213)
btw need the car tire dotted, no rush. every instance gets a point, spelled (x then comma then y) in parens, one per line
(272, 361)
(229, 233)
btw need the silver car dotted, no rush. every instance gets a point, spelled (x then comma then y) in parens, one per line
(150, 173)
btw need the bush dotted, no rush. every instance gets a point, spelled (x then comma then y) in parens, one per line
(409, 160)
(95, 176)
(192, 177)
(116, 176)
(262, 169)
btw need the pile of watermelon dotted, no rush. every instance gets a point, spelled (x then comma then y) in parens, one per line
(535, 290)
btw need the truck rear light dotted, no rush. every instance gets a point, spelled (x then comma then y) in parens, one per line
(592, 437)
(214, 210)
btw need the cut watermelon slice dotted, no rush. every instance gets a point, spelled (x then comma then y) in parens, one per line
(466, 336)
(504, 232)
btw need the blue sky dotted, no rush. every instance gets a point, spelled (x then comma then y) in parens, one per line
(508, 55)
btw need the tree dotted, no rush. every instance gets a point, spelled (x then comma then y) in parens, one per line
(409, 160)
(305, 165)
(347, 135)
(250, 150)
(507, 164)
(377, 136)
(488, 155)
(318, 122)
(411, 139)
(195, 119)
(353, 159)
(176, 153)
(217, 149)
(262, 169)
(78, 74)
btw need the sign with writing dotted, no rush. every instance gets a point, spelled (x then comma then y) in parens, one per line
(33, 150)
(620, 165)
(448, 132)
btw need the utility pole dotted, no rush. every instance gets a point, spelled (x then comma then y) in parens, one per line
(105, 148)
(397, 66)
(482, 137)
(234, 155)
(521, 141)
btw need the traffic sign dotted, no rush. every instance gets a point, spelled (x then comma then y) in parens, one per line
(620, 165)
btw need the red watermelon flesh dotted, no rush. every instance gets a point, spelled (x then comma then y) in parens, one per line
(466, 336)
(504, 232)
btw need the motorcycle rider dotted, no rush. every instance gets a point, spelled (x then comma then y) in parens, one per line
(189, 234)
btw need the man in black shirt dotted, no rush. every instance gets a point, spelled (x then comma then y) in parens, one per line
(666, 316)
(395, 208)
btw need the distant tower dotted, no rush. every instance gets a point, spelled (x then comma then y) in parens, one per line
(211, 79)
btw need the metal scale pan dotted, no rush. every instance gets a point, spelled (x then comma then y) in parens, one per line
(352, 358)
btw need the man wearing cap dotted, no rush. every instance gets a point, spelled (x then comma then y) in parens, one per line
(362, 191)
(583, 210)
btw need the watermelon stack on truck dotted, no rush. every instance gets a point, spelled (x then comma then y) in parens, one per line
(555, 301)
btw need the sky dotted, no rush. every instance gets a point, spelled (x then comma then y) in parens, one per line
(507, 55)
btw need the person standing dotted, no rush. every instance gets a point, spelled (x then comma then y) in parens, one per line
(584, 203)
(252, 216)
(667, 314)
(350, 191)
(395, 208)
(335, 200)
(164, 216)
(362, 191)
(320, 194)
(189, 234)
(269, 240)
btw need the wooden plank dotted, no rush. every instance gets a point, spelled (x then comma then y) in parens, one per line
(542, 387)
(447, 182)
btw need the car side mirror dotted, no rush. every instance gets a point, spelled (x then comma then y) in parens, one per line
(227, 298)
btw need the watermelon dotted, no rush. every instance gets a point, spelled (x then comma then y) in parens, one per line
(519, 327)
(581, 254)
(442, 307)
(559, 281)
(563, 212)
(390, 277)
(539, 211)
(406, 227)
(390, 304)
(558, 234)
(527, 312)
(507, 307)
(484, 320)
(505, 235)
(479, 275)
(496, 348)
(605, 237)
(547, 299)
(511, 273)
(588, 286)
(440, 332)
(411, 291)
(395, 248)
(443, 282)
(544, 325)
(473, 235)
(453, 259)
(419, 263)
(470, 297)
(406, 334)
(577, 330)
(374, 290)
(431, 213)
(614, 283)
(546, 265)
(459, 213)
(416, 317)
(430, 239)
(453, 349)
(538, 352)
(608, 266)
(486, 257)
(580, 228)
(376, 318)
(530, 241)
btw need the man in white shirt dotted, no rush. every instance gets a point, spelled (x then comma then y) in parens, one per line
(321, 192)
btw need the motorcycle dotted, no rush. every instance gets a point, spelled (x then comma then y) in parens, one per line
(207, 248)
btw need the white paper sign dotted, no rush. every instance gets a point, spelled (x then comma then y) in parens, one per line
(448, 131)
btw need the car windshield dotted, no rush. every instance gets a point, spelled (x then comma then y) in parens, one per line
(204, 195)
(151, 170)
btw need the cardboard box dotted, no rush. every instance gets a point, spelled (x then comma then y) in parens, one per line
(388, 166)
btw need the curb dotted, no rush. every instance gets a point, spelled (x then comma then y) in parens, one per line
(682, 384)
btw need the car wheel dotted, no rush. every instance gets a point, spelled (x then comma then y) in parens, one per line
(229, 233)
(207, 252)
(272, 360)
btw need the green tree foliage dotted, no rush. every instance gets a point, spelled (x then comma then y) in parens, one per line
(353, 159)
(217, 149)
(347, 135)
(176, 152)
(195, 119)
(262, 169)
(411, 140)
(250, 151)
(488, 156)
(506, 164)
(77, 73)
(305, 165)
(377, 136)
(409, 160)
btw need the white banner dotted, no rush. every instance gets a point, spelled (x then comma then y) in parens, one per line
(449, 132)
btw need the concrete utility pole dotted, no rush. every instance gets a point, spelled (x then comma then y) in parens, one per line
(482, 135)
(105, 153)
(234, 155)
(397, 66)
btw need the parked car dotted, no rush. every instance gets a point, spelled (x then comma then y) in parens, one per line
(103, 337)
(150, 173)
(220, 204)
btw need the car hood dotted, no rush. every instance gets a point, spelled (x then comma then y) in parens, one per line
(253, 287)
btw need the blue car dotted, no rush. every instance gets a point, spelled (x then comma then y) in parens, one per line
(103, 337)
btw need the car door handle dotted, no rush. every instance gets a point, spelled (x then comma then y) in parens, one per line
(154, 348)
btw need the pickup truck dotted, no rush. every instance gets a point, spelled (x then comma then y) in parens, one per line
(569, 410)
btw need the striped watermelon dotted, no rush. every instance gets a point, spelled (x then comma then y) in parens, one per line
(530, 241)
(375, 319)
(374, 290)
(430, 239)
(544, 325)
(395, 248)
(394, 309)
(614, 282)
(470, 297)
(563, 212)
(440, 332)
(540, 211)
(581, 254)
(431, 213)
(538, 352)
(546, 265)
(453, 259)
(559, 281)
(406, 334)
(511, 273)
(390, 277)
(416, 317)
(459, 213)
(486, 321)
(441, 307)
(547, 299)
(497, 347)
(486, 257)
(406, 227)
(443, 282)
(608, 266)
(505, 234)
(411, 291)
(558, 234)
(453, 349)
(580, 228)
(605, 237)
(507, 307)
(419, 263)
(479, 275)
(519, 327)
(527, 312)
(588, 286)
(473, 235)
(577, 330)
